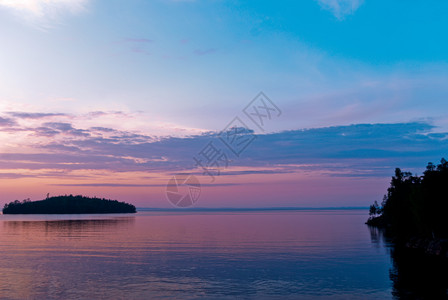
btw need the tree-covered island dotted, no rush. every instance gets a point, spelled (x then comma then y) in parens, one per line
(68, 204)
(414, 210)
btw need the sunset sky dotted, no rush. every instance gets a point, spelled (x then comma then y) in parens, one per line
(111, 98)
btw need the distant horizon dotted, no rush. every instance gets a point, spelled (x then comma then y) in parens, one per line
(249, 208)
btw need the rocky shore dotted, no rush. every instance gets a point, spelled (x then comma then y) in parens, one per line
(434, 247)
(429, 246)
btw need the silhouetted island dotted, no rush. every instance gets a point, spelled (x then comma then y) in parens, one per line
(68, 205)
(414, 210)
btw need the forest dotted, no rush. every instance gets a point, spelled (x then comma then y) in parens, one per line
(68, 204)
(415, 205)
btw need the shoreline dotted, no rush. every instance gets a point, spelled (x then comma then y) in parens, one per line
(436, 247)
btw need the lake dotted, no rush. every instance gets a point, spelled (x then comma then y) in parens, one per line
(290, 254)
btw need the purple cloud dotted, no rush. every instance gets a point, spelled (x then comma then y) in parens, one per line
(138, 45)
(205, 52)
(362, 150)
(45, 131)
(138, 40)
(7, 122)
(28, 115)
(66, 128)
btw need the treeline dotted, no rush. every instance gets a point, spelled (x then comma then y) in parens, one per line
(68, 204)
(415, 205)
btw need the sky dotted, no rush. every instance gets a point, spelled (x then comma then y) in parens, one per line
(113, 98)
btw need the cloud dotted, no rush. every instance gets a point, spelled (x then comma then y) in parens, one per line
(66, 128)
(12, 175)
(45, 132)
(205, 52)
(128, 184)
(44, 12)
(6, 122)
(60, 126)
(41, 8)
(103, 129)
(341, 8)
(106, 184)
(28, 115)
(361, 150)
(138, 40)
(97, 114)
(138, 45)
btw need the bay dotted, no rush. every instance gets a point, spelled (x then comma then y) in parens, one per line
(290, 254)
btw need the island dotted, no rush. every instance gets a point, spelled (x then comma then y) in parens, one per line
(413, 213)
(68, 204)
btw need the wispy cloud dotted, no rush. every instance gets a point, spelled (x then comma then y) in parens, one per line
(205, 52)
(6, 122)
(107, 185)
(28, 115)
(138, 40)
(66, 128)
(138, 45)
(362, 150)
(126, 184)
(341, 8)
(44, 12)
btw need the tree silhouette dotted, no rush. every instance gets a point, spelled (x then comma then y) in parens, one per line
(68, 205)
(415, 205)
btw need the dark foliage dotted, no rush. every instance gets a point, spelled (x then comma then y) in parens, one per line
(68, 205)
(415, 205)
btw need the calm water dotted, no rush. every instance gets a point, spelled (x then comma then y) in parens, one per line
(219, 255)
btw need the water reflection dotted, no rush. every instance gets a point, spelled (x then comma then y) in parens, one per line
(378, 238)
(280, 255)
(414, 275)
(49, 257)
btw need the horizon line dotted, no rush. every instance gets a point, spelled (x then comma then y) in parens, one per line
(251, 208)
